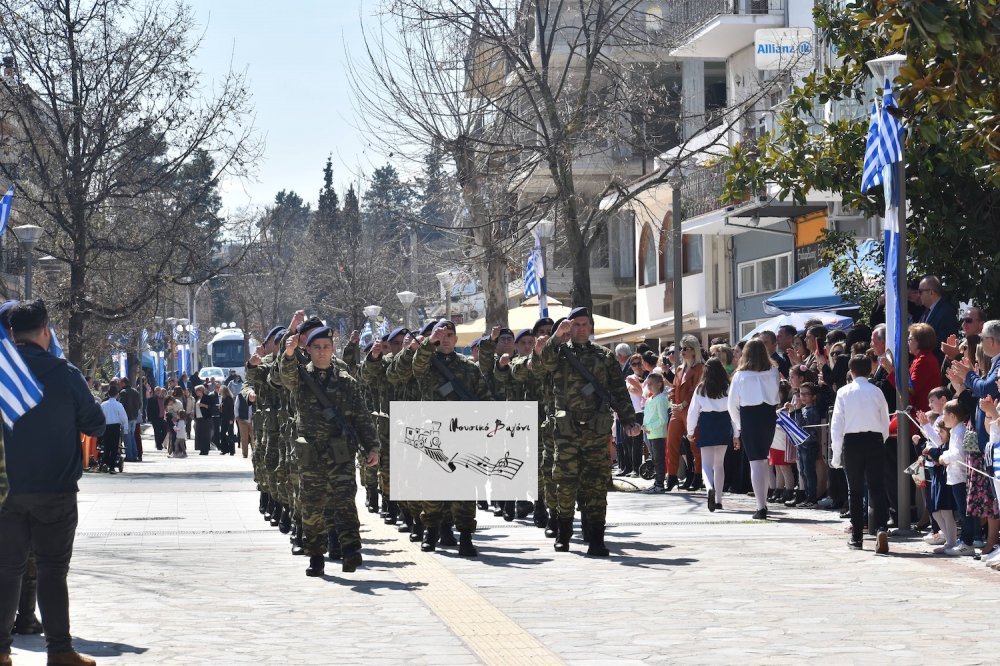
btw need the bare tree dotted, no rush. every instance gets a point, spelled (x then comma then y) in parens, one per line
(110, 113)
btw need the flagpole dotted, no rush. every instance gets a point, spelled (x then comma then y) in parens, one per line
(903, 446)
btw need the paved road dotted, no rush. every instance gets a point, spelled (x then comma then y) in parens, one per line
(174, 565)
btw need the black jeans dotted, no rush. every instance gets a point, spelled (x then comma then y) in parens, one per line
(864, 461)
(658, 449)
(46, 524)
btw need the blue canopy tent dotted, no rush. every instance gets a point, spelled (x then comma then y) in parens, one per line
(816, 291)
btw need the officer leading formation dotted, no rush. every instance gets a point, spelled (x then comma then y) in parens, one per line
(320, 417)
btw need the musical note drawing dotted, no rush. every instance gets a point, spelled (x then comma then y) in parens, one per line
(428, 441)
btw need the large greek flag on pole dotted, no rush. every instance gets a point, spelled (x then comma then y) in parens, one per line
(530, 277)
(534, 277)
(19, 390)
(5, 205)
(885, 149)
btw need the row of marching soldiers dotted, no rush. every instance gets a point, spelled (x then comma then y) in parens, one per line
(318, 415)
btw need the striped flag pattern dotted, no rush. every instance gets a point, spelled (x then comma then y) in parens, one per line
(143, 340)
(383, 328)
(791, 428)
(530, 278)
(366, 333)
(19, 390)
(5, 205)
(54, 347)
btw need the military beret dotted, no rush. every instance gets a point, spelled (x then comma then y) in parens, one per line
(506, 331)
(428, 327)
(396, 332)
(384, 337)
(524, 334)
(544, 321)
(475, 343)
(275, 332)
(368, 347)
(578, 312)
(309, 324)
(5, 309)
(321, 332)
(557, 322)
(445, 323)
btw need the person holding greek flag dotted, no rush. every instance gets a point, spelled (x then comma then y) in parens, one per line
(44, 463)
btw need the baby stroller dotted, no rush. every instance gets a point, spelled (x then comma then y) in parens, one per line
(110, 450)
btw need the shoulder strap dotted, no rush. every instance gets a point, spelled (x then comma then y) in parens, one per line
(453, 383)
(593, 385)
(330, 411)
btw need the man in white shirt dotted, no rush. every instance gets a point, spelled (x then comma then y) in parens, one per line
(858, 432)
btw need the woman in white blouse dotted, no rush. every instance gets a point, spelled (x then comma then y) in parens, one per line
(753, 397)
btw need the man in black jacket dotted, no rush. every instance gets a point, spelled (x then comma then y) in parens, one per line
(132, 402)
(44, 463)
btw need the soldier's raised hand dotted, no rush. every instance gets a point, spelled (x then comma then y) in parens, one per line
(372, 459)
(505, 360)
(376, 351)
(564, 330)
(290, 344)
(540, 343)
(437, 335)
(297, 319)
(495, 333)
(415, 342)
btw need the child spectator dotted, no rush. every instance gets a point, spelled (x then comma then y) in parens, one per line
(180, 435)
(807, 416)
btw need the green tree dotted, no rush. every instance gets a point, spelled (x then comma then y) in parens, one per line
(328, 207)
(951, 187)
(388, 203)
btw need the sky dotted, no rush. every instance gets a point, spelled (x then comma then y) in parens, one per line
(295, 55)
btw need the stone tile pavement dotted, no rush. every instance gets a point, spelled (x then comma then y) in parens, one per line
(174, 565)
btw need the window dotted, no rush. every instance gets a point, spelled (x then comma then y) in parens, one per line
(766, 275)
(747, 326)
(692, 253)
(647, 258)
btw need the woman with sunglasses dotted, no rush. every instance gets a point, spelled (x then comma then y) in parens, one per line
(632, 447)
(687, 376)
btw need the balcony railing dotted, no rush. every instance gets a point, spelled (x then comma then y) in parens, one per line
(701, 191)
(688, 16)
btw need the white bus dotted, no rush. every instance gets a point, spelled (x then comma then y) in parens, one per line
(228, 350)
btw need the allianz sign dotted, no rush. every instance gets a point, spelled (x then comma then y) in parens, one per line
(783, 47)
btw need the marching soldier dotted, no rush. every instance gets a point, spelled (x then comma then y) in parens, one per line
(265, 459)
(444, 374)
(332, 421)
(587, 385)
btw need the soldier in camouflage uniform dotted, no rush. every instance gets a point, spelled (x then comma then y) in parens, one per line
(399, 373)
(439, 349)
(325, 448)
(374, 371)
(264, 460)
(583, 421)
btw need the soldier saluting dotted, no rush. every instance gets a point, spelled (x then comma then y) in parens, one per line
(332, 423)
(587, 385)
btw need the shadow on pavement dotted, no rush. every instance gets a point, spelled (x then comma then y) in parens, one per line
(648, 562)
(185, 475)
(82, 645)
(381, 564)
(373, 586)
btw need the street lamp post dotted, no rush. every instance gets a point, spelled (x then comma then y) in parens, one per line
(27, 236)
(407, 298)
(448, 280)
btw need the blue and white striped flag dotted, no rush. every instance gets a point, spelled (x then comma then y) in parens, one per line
(143, 340)
(194, 333)
(874, 154)
(5, 205)
(791, 428)
(366, 333)
(158, 337)
(530, 279)
(383, 328)
(19, 390)
(54, 347)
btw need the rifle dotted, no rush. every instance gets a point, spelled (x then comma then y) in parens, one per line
(453, 383)
(593, 385)
(330, 411)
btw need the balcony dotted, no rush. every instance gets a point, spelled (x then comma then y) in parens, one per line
(720, 28)
(701, 191)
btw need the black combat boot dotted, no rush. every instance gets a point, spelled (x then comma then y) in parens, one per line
(333, 546)
(285, 522)
(541, 514)
(429, 544)
(373, 500)
(584, 530)
(352, 560)
(384, 513)
(483, 505)
(407, 518)
(276, 516)
(26, 622)
(297, 539)
(508, 511)
(562, 537)
(497, 509)
(552, 526)
(392, 513)
(524, 510)
(263, 502)
(597, 547)
(316, 566)
(465, 548)
(447, 535)
(417, 533)
(269, 508)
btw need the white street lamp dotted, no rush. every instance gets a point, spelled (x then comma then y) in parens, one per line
(372, 311)
(407, 298)
(448, 280)
(27, 236)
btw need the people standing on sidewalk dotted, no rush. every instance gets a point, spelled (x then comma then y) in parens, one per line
(858, 430)
(132, 402)
(656, 419)
(202, 420)
(43, 467)
(116, 420)
(710, 427)
(227, 421)
(178, 448)
(244, 419)
(753, 396)
(687, 376)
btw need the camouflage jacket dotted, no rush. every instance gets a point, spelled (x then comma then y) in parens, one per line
(498, 380)
(4, 484)
(375, 379)
(575, 403)
(268, 399)
(345, 395)
(528, 370)
(432, 382)
(400, 374)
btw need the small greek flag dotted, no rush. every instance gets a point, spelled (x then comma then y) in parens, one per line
(5, 205)
(530, 277)
(143, 340)
(54, 347)
(158, 337)
(383, 328)
(19, 390)
(194, 333)
(366, 333)
(791, 428)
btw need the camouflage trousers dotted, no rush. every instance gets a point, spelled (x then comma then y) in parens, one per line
(282, 468)
(257, 457)
(463, 514)
(546, 458)
(582, 470)
(327, 498)
(383, 463)
(271, 456)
